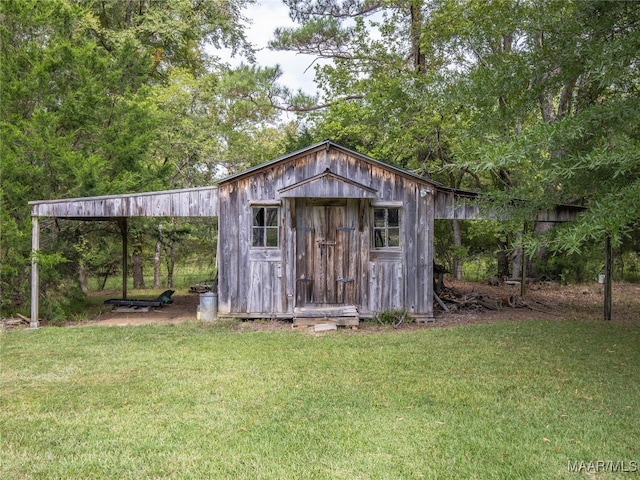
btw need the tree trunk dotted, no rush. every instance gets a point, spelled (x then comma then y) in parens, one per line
(169, 274)
(419, 58)
(542, 255)
(516, 259)
(83, 278)
(138, 274)
(503, 259)
(104, 281)
(156, 265)
(457, 243)
(608, 272)
(170, 264)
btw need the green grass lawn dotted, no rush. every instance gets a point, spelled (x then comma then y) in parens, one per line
(496, 401)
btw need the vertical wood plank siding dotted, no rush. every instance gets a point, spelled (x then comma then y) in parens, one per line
(386, 286)
(258, 283)
(450, 206)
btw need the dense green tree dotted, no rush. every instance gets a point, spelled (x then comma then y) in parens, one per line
(103, 97)
(534, 103)
(550, 93)
(528, 101)
(70, 125)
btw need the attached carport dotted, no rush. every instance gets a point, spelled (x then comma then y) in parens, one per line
(190, 202)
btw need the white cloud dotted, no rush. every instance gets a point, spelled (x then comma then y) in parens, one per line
(265, 16)
(298, 71)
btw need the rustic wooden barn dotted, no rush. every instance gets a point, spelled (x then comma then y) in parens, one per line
(324, 232)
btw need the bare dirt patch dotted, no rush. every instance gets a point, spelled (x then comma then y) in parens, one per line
(544, 301)
(549, 301)
(182, 309)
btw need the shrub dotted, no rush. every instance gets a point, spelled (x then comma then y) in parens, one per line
(394, 318)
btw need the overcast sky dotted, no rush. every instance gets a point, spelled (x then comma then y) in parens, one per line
(266, 16)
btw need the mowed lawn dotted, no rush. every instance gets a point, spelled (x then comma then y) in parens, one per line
(511, 400)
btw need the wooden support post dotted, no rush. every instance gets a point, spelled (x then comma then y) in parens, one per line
(35, 279)
(608, 273)
(124, 230)
(523, 265)
(430, 251)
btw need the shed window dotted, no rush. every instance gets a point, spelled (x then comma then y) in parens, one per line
(386, 227)
(265, 227)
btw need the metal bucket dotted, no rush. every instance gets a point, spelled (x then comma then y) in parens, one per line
(208, 306)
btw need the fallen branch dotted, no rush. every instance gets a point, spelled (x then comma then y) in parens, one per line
(488, 303)
(541, 311)
(440, 302)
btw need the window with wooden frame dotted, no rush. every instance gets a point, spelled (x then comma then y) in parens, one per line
(386, 227)
(265, 227)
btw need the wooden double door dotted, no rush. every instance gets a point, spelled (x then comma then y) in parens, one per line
(327, 252)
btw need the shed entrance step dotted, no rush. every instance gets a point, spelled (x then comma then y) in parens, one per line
(344, 315)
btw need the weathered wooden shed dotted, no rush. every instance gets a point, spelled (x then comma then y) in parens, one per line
(324, 232)
(328, 232)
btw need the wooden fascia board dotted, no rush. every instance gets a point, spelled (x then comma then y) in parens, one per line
(305, 188)
(452, 203)
(190, 202)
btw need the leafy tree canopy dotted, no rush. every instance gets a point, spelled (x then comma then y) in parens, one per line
(113, 96)
(534, 101)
